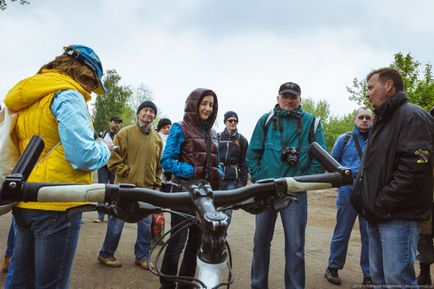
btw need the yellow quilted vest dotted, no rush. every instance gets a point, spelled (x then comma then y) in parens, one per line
(32, 98)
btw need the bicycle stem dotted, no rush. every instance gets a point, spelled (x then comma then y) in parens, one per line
(214, 225)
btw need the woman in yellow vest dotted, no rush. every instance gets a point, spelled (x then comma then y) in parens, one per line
(52, 104)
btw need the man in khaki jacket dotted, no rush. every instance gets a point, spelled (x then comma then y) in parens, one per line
(135, 159)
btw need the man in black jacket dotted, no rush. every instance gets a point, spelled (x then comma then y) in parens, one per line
(393, 188)
(232, 155)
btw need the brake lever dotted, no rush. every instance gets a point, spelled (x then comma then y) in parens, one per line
(81, 209)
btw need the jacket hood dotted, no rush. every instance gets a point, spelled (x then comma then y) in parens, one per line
(298, 112)
(29, 90)
(192, 106)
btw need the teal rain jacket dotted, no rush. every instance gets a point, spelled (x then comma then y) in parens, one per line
(263, 154)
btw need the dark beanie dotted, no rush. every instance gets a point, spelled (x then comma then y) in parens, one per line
(147, 103)
(230, 114)
(163, 122)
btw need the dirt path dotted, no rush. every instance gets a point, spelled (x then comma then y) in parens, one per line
(88, 273)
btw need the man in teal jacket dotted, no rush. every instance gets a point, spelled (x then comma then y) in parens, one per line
(279, 148)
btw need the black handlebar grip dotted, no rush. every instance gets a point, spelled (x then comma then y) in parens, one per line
(30, 156)
(324, 158)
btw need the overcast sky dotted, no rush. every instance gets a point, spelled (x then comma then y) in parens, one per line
(243, 50)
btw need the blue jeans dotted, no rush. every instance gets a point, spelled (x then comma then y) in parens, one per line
(392, 252)
(345, 218)
(228, 185)
(114, 232)
(294, 219)
(11, 239)
(105, 176)
(12, 236)
(44, 249)
(174, 249)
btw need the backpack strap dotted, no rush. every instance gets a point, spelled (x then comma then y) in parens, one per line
(103, 133)
(359, 149)
(313, 127)
(347, 138)
(268, 121)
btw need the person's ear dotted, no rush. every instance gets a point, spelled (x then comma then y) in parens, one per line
(389, 85)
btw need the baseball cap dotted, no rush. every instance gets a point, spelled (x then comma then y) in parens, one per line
(115, 118)
(87, 56)
(290, 87)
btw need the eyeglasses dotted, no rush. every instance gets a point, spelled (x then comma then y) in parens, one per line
(232, 120)
(367, 117)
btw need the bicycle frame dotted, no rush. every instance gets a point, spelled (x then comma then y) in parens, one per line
(131, 203)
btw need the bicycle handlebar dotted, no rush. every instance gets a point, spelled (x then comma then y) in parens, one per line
(16, 189)
(52, 192)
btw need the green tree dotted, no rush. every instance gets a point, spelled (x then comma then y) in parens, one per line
(3, 4)
(115, 102)
(333, 126)
(320, 109)
(418, 81)
(337, 126)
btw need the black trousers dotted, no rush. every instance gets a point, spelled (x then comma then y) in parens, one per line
(191, 239)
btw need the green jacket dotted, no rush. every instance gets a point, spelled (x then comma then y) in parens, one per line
(264, 152)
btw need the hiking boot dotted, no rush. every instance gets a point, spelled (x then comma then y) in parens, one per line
(367, 281)
(109, 261)
(6, 263)
(332, 276)
(144, 264)
(424, 279)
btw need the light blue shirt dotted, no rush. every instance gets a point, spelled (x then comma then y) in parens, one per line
(76, 132)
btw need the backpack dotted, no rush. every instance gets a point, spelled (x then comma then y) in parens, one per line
(9, 152)
(312, 130)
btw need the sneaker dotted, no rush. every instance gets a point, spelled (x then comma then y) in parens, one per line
(6, 263)
(97, 220)
(144, 264)
(332, 276)
(109, 261)
(367, 281)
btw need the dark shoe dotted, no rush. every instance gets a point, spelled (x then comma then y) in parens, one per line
(332, 276)
(367, 281)
(424, 279)
(109, 261)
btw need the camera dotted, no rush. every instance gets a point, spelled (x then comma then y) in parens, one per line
(290, 155)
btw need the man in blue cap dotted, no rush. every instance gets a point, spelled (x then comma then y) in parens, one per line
(52, 104)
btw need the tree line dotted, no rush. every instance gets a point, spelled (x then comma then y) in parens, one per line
(418, 79)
